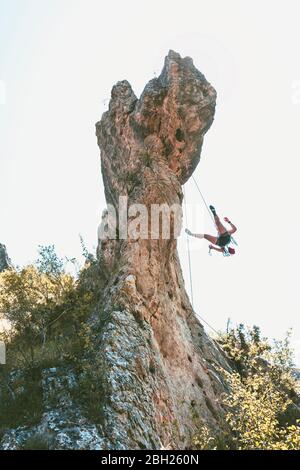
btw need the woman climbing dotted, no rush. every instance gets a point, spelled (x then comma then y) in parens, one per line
(223, 239)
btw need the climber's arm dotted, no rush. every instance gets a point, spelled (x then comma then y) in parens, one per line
(233, 227)
(212, 247)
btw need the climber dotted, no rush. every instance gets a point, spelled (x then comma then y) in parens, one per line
(223, 239)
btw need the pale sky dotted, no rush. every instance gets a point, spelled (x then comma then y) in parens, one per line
(58, 62)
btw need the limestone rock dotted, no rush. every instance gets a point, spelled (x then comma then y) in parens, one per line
(162, 370)
(63, 426)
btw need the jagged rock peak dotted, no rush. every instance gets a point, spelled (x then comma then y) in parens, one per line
(167, 123)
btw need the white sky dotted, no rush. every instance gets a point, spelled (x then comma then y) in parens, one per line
(58, 62)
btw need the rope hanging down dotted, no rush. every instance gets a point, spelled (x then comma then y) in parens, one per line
(188, 249)
(188, 241)
(203, 199)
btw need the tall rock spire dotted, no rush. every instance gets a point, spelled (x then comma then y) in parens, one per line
(161, 369)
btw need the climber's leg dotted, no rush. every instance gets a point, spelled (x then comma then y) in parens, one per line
(211, 238)
(220, 226)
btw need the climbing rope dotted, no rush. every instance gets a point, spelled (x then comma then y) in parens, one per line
(188, 250)
(203, 199)
(187, 238)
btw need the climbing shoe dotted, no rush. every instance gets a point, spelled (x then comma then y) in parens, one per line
(213, 210)
(188, 231)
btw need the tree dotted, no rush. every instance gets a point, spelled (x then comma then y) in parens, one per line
(31, 298)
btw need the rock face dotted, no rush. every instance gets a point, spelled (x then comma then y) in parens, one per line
(162, 376)
(5, 262)
(62, 425)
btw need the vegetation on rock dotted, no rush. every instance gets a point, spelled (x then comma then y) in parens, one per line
(47, 310)
(262, 406)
